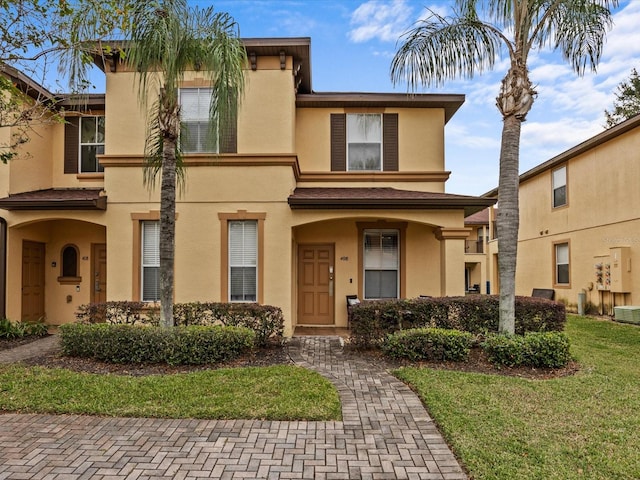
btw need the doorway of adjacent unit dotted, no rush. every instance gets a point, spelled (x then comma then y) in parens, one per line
(99, 273)
(315, 284)
(32, 281)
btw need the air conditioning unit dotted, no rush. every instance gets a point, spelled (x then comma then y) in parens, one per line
(627, 314)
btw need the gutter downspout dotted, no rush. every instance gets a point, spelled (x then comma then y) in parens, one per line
(3, 268)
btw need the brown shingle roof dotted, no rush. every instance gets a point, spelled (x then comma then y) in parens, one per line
(478, 218)
(56, 199)
(383, 198)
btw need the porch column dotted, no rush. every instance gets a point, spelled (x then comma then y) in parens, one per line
(452, 259)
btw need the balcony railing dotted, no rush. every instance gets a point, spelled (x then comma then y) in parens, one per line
(474, 246)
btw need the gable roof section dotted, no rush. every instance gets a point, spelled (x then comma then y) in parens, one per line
(449, 102)
(593, 142)
(383, 198)
(478, 218)
(56, 199)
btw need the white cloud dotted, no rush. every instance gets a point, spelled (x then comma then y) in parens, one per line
(382, 20)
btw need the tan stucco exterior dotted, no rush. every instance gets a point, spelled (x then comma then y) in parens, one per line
(599, 223)
(283, 145)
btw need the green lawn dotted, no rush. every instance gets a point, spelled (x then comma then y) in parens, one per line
(586, 426)
(271, 393)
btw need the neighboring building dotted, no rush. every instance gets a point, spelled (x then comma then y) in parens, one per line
(475, 263)
(311, 197)
(580, 221)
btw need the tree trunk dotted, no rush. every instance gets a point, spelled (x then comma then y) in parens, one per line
(167, 230)
(508, 220)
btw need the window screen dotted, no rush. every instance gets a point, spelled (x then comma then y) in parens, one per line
(243, 260)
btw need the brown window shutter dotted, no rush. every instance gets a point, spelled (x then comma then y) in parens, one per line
(390, 142)
(338, 142)
(71, 144)
(229, 134)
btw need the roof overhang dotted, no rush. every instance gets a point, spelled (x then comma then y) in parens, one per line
(299, 48)
(449, 102)
(56, 199)
(383, 198)
(593, 142)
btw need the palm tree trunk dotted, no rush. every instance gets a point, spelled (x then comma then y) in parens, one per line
(508, 220)
(167, 231)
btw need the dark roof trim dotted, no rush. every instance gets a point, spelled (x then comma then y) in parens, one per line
(383, 198)
(56, 199)
(25, 84)
(297, 47)
(579, 149)
(83, 102)
(449, 102)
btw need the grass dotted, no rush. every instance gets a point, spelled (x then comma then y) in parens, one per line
(586, 426)
(270, 393)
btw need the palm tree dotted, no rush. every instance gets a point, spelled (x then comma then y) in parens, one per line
(162, 42)
(440, 48)
(166, 42)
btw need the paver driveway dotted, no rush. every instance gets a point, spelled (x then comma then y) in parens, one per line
(385, 434)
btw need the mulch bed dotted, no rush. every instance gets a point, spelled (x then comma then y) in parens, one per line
(476, 363)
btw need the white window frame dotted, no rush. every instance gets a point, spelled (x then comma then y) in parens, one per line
(382, 263)
(249, 258)
(154, 263)
(352, 117)
(559, 180)
(202, 118)
(99, 151)
(557, 259)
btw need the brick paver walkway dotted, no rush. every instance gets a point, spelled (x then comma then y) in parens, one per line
(385, 434)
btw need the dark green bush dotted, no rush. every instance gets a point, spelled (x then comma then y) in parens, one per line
(266, 321)
(192, 345)
(115, 312)
(429, 344)
(534, 349)
(12, 330)
(372, 321)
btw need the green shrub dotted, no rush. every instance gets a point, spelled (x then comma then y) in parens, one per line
(534, 349)
(429, 344)
(192, 345)
(12, 330)
(372, 321)
(266, 321)
(115, 312)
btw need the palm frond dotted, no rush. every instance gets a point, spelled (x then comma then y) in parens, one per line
(440, 48)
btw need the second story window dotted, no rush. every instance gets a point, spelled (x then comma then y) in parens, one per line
(559, 179)
(91, 143)
(196, 134)
(364, 141)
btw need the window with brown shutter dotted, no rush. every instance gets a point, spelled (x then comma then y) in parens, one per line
(338, 142)
(372, 144)
(390, 142)
(71, 142)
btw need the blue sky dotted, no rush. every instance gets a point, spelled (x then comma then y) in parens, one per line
(353, 42)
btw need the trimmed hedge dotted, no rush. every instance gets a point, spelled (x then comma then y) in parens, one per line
(534, 349)
(429, 344)
(266, 321)
(192, 345)
(372, 321)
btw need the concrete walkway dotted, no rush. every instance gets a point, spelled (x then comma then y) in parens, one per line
(385, 434)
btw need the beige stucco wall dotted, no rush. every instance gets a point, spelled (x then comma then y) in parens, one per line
(420, 139)
(55, 232)
(603, 195)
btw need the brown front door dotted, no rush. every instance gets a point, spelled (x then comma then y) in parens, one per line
(315, 285)
(99, 273)
(32, 281)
